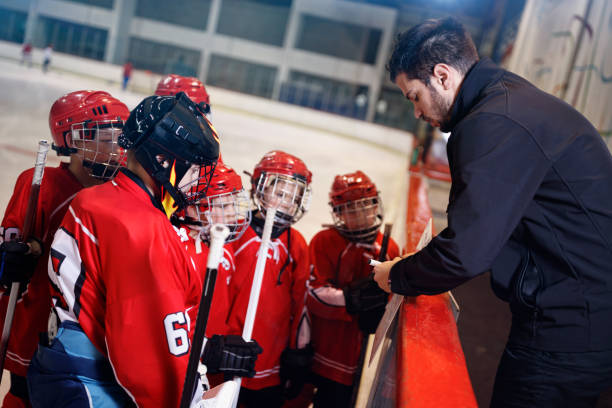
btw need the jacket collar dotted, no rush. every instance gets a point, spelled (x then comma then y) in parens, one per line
(483, 73)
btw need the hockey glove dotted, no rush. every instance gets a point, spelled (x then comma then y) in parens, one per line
(231, 355)
(368, 320)
(364, 295)
(294, 368)
(16, 263)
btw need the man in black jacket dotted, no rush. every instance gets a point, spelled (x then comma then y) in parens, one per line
(531, 201)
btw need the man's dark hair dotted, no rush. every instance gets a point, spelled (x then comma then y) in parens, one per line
(418, 50)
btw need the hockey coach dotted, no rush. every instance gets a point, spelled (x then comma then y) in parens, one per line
(531, 201)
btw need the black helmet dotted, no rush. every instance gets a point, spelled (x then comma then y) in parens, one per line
(176, 145)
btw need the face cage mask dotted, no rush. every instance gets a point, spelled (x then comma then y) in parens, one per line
(359, 220)
(95, 143)
(231, 209)
(291, 196)
(194, 184)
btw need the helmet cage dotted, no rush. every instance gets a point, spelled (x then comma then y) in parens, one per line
(192, 186)
(95, 143)
(358, 220)
(232, 209)
(290, 194)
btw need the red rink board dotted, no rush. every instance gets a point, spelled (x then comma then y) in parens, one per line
(431, 369)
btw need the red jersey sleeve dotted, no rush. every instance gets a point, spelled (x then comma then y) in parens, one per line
(325, 299)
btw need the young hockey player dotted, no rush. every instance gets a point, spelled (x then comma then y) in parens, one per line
(343, 301)
(224, 202)
(172, 84)
(123, 284)
(281, 324)
(85, 126)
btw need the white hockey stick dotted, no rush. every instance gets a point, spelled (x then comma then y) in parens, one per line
(28, 226)
(260, 267)
(218, 234)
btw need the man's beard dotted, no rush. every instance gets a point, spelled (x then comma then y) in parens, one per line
(441, 108)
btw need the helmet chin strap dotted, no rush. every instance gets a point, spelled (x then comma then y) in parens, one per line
(63, 150)
(97, 169)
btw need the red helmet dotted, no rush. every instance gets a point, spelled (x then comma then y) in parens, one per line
(282, 180)
(173, 84)
(225, 202)
(79, 107)
(350, 187)
(224, 181)
(357, 210)
(88, 124)
(279, 162)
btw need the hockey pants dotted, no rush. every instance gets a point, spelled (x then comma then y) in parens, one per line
(71, 372)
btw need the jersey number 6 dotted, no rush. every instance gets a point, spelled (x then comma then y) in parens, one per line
(177, 336)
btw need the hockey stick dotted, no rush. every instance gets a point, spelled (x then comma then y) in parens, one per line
(260, 266)
(382, 256)
(28, 226)
(218, 234)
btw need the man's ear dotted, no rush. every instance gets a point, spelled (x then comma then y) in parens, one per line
(442, 74)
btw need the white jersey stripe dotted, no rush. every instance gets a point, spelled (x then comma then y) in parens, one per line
(85, 230)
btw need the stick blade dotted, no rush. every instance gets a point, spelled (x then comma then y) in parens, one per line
(222, 396)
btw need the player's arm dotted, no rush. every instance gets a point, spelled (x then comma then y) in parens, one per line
(323, 299)
(296, 359)
(300, 325)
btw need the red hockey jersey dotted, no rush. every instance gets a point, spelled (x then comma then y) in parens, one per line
(281, 319)
(336, 337)
(120, 270)
(57, 189)
(219, 310)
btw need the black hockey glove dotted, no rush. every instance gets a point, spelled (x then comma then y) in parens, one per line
(231, 355)
(294, 368)
(364, 295)
(368, 320)
(16, 264)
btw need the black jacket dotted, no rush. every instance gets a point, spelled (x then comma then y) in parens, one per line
(531, 200)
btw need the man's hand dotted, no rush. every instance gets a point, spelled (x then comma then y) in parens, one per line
(381, 273)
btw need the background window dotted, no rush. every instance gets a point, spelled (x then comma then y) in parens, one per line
(241, 76)
(392, 109)
(71, 38)
(263, 21)
(13, 25)
(187, 13)
(163, 58)
(338, 39)
(107, 4)
(325, 94)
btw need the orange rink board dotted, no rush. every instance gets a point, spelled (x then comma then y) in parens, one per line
(431, 369)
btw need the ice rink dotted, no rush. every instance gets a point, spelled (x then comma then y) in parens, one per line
(27, 94)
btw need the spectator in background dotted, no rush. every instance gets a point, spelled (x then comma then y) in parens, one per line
(47, 53)
(127, 74)
(26, 54)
